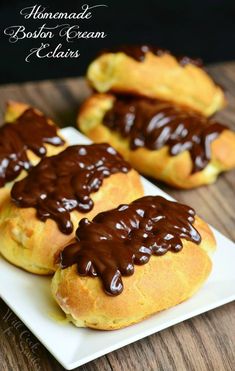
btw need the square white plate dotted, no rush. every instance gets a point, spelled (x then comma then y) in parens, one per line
(29, 297)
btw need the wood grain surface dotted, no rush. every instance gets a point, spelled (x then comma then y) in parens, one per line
(206, 342)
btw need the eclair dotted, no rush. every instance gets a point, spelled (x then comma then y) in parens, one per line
(26, 137)
(162, 140)
(131, 262)
(41, 216)
(155, 73)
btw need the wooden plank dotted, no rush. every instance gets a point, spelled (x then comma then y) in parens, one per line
(202, 343)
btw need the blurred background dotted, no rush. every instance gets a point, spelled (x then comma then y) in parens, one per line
(202, 28)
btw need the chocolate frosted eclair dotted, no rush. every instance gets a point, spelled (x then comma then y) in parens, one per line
(25, 138)
(46, 206)
(155, 73)
(163, 140)
(139, 52)
(131, 262)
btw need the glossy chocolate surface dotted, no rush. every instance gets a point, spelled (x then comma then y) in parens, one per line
(154, 124)
(63, 183)
(116, 240)
(30, 131)
(138, 52)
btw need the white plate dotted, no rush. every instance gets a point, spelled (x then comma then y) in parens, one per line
(29, 297)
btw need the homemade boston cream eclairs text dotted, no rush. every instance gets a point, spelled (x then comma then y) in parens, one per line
(131, 262)
(45, 207)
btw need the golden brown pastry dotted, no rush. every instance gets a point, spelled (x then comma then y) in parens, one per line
(131, 262)
(25, 138)
(46, 206)
(164, 141)
(155, 73)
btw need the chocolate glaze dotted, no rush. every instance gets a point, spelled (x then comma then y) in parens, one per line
(154, 124)
(63, 183)
(116, 240)
(138, 52)
(29, 132)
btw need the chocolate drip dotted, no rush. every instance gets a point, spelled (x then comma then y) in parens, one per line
(154, 124)
(116, 240)
(138, 52)
(29, 132)
(63, 183)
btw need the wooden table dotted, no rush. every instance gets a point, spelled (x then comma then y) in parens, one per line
(206, 342)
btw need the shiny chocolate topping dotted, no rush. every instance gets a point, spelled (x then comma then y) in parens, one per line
(63, 183)
(154, 124)
(116, 240)
(29, 132)
(138, 52)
